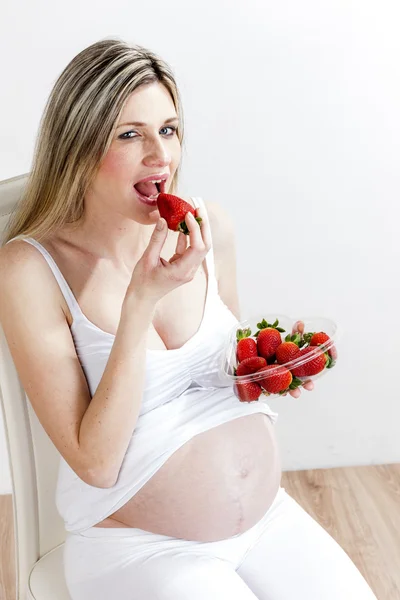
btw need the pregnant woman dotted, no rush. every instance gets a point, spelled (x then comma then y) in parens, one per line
(169, 486)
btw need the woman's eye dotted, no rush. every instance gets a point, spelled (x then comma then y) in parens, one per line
(127, 135)
(173, 129)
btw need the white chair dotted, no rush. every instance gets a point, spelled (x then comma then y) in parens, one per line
(39, 530)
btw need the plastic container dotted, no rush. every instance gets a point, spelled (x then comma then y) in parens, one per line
(230, 362)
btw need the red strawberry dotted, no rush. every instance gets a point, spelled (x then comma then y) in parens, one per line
(289, 349)
(317, 339)
(286, 352)
(173, 210)
(316, 364)
(250, 365)
(268, 338)
(246, 346)
(278, 381)
(247, 392)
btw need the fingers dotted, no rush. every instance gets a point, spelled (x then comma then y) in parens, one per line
(194, 255)
(181, 244)
(298, 327)
(195, 237)
(308, 385)
(157, 241)
(333, 352)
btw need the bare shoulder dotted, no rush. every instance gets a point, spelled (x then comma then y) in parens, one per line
(26, 278)
(18, 262)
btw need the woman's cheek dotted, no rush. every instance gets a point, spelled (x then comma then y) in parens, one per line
(114, 164)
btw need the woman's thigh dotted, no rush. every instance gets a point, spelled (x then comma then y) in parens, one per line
(105, 569)
(297, 559)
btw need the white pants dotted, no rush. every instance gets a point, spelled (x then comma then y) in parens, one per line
(287, 555)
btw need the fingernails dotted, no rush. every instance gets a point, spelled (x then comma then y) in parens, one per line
(160, 224)
(191, 217)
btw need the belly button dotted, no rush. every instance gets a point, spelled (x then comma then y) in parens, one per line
(244, 473)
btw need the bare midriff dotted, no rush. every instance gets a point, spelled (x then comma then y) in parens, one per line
(217, 485)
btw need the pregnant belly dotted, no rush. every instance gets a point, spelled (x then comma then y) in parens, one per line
(217, 485)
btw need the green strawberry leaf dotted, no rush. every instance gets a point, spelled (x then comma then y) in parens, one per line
(183, 228)
(307, 336)
(296, 339)
(295, 383)
(243, 333)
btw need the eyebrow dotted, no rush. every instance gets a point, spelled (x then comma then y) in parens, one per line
(139, 124)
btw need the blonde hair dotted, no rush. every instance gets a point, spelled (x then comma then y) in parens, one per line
(76, 130)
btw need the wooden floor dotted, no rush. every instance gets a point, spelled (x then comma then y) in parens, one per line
(359, 506)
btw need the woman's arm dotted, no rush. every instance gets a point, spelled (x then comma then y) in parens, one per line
(92, 434)
(223, 236)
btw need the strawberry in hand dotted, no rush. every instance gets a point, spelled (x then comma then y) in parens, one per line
(173, 209)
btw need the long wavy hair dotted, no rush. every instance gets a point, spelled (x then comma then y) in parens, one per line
(76, 130)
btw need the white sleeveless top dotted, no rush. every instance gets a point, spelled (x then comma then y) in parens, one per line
(184, 395)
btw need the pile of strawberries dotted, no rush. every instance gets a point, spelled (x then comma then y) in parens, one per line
(267, 351)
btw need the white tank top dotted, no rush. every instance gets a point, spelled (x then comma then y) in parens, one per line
(183, 396)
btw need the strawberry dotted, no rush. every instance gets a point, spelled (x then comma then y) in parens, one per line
(317, 363)
(317, 339)
(289, 349)
(247, 392)
(278, 381)
(286, 352)
(250, 365)
(246, 346)
(173, 210)
(268, 338)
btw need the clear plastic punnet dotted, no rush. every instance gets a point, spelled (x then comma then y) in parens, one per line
(263, 355)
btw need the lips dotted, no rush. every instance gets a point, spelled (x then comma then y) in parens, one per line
(151, 186)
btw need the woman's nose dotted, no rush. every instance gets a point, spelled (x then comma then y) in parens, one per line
(157, 154)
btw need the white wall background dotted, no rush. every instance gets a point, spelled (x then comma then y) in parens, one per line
(292, 122)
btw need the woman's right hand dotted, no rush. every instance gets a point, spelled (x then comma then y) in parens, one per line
(153, 277)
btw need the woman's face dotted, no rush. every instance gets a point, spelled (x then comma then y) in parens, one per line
(145, 144)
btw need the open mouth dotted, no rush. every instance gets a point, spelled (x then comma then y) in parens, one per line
(150, 189)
